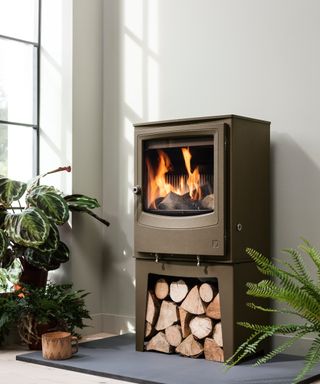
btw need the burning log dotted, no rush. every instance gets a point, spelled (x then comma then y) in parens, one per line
(208, 202)
(161, 289)
(174, 335)
(159, 343)
(168, 315)
(207, 292)
(201, 326)
(193, 303)
(178, 290)
(212, 351)
(173, 201)
(213, 309)
(190, 347)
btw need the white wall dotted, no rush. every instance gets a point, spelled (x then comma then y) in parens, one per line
(172, 59)
(71, 131)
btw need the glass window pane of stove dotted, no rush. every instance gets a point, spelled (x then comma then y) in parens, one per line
(178, 176)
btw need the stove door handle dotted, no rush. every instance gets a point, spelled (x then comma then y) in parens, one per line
(136, 189)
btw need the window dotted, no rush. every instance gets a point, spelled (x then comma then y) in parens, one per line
(19, 88)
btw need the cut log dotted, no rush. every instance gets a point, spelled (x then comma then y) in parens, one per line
(193, 303)
(184, 318)
(190, 347)
(174, 335)
(178, 290)
(207, 292)
(148, 330)
(217, 334)
(213, 309)
(201, 326)
(161, 289)
(168, 315)
(153, 306)
(212, 351)
(159, 343)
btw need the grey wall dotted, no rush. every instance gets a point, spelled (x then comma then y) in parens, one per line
(170, 59)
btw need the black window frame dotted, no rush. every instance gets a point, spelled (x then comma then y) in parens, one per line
(36, 127)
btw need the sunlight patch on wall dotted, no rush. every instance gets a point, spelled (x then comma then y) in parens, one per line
(133, 95)
(133, 17)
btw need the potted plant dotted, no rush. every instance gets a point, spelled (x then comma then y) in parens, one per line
(37, 310)
(29, 232)
(298, 293)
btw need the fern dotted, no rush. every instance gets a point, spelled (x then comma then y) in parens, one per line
(289, 283)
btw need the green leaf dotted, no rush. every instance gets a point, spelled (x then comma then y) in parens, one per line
(28, 228)
(10, 190)
(81, 201)
(62, 253)
(50, 202)
(47, 260)
(4, 241)
(52, 241)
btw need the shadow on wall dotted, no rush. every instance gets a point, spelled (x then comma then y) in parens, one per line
(295, 183)
(118, 261)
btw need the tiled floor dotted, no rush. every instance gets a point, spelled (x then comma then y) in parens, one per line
(16, 372)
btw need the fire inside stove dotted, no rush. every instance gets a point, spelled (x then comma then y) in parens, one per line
(178, 178)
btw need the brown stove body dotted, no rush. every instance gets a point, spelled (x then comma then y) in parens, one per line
(202, 197)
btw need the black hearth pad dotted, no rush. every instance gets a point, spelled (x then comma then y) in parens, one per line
(116, 358)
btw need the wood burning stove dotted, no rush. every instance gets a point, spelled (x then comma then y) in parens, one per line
(202, 197)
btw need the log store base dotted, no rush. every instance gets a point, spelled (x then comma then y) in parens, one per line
(231, 280)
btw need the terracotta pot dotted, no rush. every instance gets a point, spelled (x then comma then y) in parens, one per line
(32, 275)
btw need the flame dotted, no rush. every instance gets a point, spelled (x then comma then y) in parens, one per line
(159, 185)
(194, 177)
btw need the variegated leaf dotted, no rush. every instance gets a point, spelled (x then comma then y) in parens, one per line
(10, 190)
(4, 241)
(47, 260)
(52, 241)
(81, 201)
(28, 228)
(50, 202)
(42, 260)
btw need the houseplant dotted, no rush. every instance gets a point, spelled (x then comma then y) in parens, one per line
(36, 310)
(298, 294)
(29, 232)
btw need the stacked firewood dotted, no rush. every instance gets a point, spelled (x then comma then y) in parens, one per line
(184, 319)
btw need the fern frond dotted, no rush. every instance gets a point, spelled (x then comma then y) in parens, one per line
(307, 306)
(281, 348)
(248, 348)
(264, 309)
(314, 255)
(298, 263)
(312, 358)
(231, 362)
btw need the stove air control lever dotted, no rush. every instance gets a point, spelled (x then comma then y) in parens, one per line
(136, 189)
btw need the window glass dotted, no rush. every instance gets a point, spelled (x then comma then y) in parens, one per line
(18, 19)
(17, 78)
(16, 151)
